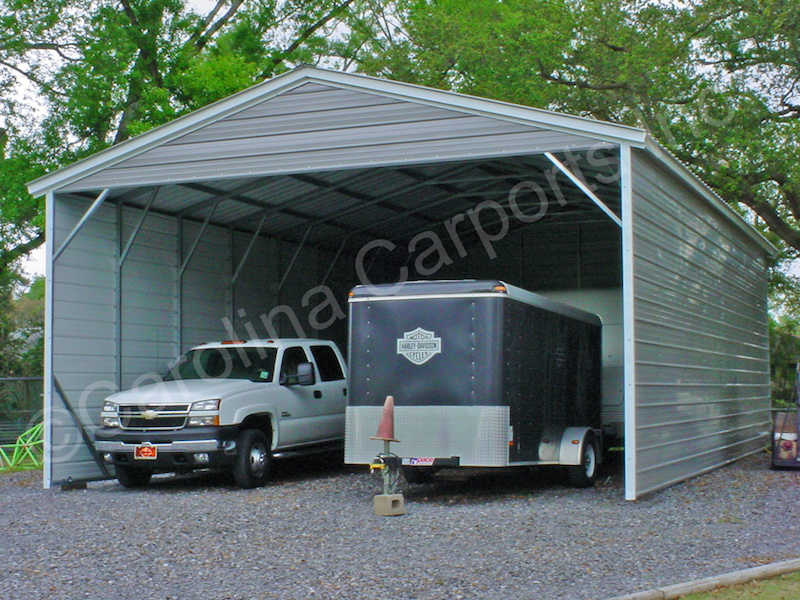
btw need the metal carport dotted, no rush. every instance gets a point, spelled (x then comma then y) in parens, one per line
(255, 215)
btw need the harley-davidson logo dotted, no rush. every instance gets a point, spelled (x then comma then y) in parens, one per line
(419, 346)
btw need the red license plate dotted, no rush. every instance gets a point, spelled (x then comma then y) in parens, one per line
(145, 453)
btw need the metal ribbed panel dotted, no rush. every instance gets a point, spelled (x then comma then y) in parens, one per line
(328, 128)
(149, 278)
(220, 166)
(476, 434)
(702, 363)
(83, 359)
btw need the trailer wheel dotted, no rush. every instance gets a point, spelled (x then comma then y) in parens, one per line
(253, 459)
(133, 477)
(583, 475)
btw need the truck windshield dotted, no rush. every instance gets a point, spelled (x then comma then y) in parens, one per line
(256, 364)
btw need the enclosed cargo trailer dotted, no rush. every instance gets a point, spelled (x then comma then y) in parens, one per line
(483, 374)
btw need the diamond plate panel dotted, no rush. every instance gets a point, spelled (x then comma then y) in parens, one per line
(476, 434)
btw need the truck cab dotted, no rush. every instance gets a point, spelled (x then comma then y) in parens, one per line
(231, 405)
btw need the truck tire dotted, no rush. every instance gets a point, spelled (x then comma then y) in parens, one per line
(133, 477)
(583, 475)
(253, 459)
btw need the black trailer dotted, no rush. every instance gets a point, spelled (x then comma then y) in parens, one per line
(483, 374)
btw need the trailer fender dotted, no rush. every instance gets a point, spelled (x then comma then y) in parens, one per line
(572, 442)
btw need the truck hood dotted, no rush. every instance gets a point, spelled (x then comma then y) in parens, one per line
(191, 390)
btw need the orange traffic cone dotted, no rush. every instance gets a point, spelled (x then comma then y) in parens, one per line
(386, 425)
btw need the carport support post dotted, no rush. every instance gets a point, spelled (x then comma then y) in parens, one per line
(628, 319)
(48, 339)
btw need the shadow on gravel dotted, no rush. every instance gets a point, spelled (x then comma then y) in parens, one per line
(454, 486)
(285, 470)
(487, 485)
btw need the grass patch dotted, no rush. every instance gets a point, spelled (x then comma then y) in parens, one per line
(20, 469)
(785, 587)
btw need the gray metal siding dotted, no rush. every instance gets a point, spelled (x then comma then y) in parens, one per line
(547, 256)
(161, 314)
(258, 140)
(205, 293)
(149, 297)
(83, 333)
(701, 347)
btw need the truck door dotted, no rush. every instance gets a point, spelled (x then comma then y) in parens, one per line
(333, 384)
(305, 416)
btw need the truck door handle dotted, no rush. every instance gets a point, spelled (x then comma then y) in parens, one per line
(317, 394)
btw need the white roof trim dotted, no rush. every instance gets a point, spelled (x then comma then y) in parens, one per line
(589, 128)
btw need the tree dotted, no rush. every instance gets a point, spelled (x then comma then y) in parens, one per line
(21, 325)
(716, 81)
(95, 72)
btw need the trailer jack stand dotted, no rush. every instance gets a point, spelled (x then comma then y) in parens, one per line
(389, 503)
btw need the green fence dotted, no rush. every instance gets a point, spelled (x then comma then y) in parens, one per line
(20, 406)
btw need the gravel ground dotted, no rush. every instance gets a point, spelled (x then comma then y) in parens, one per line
(311, 533)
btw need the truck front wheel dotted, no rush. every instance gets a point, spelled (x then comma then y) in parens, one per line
(583, 475)
(133, 477)
(253, 459)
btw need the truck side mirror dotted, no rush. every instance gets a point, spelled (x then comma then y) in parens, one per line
(305, 374)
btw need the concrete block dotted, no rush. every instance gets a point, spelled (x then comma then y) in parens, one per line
(389, 505)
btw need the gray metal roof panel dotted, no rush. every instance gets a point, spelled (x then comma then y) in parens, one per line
(285, 83)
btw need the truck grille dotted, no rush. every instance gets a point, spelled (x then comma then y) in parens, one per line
(153, 417)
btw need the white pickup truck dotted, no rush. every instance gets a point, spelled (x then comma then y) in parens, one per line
(228, 405)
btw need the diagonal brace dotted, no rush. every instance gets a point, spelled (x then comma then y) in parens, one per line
(584, 188)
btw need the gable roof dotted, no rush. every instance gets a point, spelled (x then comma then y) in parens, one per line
(311, 119)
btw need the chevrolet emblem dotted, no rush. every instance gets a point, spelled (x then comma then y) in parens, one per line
(149, 415)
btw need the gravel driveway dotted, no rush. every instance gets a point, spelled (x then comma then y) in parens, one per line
(311, 533)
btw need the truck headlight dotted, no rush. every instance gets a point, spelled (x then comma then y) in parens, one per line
(204, 420)
(205, 405)
(109, 420)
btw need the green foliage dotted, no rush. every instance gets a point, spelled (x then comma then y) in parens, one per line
(715, 81)
(21, 325)
(77, 76)
(784, 345)
(216, 76)
(100, 71)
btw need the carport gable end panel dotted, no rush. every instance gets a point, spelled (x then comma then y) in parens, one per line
(700, 403)
(424, 135)
(83, 350)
